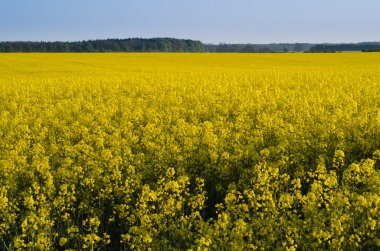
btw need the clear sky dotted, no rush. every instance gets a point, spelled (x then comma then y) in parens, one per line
(211, 21)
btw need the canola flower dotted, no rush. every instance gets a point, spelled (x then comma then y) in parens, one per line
(167, 151)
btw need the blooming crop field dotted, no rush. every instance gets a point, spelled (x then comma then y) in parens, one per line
(167, 151)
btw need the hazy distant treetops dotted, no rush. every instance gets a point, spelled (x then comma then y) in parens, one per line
(107, 45)
(177, 45)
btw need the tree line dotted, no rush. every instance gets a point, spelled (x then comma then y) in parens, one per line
(293, 47)
(259, 48)
(364, 47)
(107, 45)
(178, 45)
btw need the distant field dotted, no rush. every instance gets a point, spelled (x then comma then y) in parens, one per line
(171, 151)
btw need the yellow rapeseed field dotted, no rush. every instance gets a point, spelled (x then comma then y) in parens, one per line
(167, 151)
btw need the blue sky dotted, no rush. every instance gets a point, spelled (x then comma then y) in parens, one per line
(211, 21)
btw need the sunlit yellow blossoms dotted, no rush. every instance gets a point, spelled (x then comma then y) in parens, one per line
(190, 151)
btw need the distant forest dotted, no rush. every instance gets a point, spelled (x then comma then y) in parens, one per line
(365, 47)
(178, 45)
(107, 45)
(294, 47)
(259, 48)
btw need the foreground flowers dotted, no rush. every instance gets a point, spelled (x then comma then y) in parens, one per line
(189, 151)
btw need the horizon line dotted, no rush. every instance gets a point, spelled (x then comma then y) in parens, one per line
(206, 43)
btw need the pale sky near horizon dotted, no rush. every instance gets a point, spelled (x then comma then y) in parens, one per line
(211, 21)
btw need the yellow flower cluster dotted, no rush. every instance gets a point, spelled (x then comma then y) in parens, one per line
(190, 151)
